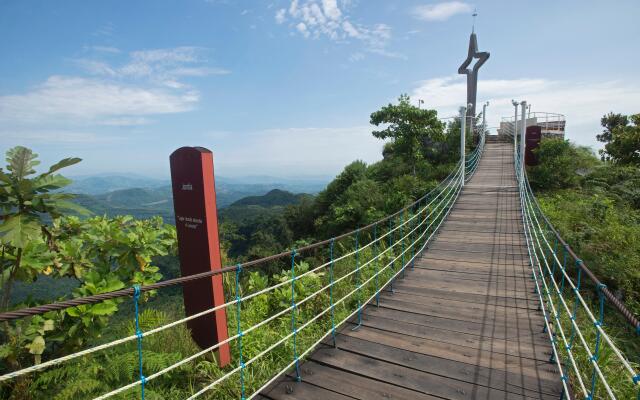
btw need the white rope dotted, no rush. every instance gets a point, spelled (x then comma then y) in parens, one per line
(564, 378)
(581, 299)
(282, 312)
(531, 217)
(116, 342)
(258, 391)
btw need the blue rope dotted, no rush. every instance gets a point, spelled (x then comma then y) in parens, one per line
(564, 267)
(358, 281)
(376, 263)
(333, 322)
(393, 263)
(293, 314)
(136, 300)
(240, 333)
(596, 353)
(402, 239)
(413, 231)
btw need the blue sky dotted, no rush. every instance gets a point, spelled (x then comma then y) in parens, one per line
(286, 87)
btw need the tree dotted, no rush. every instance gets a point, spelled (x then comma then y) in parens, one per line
(610, 122)
(622, 139)
(560, 164)
(408, 127)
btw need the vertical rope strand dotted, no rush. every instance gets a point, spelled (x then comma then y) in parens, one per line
(293, 314)
(393, 263)
(239, 330)
(136, 300)
(358, 281)
(376, 264)
(413, 234)
(333, 321)
(596, 353)
(403, 240)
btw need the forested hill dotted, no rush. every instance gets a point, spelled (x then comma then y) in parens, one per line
(145, 202)
(276, 197)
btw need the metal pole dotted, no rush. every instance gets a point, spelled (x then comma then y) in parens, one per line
(484, 118)
(523, 135)
(463, 130)
(515, 130)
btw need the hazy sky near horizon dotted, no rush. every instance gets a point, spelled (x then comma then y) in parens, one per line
(286, 87)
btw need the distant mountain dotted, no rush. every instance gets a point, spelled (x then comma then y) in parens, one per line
(252, 208)
(247, 185)
(275, 197)
(108, 183)
(147, 202)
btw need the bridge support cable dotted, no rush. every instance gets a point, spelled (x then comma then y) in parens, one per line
(580, 367)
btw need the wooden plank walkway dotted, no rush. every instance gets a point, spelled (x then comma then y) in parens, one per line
(463, 324)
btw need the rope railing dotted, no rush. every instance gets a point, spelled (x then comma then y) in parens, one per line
(446, 185)
(576, 333)
(445, 198)
(473, 160)
(419, 222)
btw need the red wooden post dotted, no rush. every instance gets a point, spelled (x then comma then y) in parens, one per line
(194, 202)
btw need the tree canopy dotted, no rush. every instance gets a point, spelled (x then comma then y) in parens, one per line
(621, 137)
(409, 127)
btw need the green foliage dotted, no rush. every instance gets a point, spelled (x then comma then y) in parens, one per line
(622, 140)
(408, 127)
(561, 165)
(24, 201)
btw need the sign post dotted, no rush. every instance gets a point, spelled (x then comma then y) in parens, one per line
(194, 202)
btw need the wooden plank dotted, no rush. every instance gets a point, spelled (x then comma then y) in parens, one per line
(525, 303)
(480, 340)
(489, 317)
(505, 380)
(407, 377)
(286, 389)
(497, 331)
(354, 385)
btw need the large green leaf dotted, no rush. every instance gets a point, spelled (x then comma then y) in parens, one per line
(21, 161)
(46, 182)
(18, 230)
(71, 206)
(62, 164)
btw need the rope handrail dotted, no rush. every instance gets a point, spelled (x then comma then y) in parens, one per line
(618, 305)
(56, 306)
(422, 219)
(545, 255)
(59, 360)
(454, 190)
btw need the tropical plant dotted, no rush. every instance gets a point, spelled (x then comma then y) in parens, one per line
(25, 202)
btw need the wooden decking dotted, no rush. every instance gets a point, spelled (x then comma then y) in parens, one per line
(463, 324)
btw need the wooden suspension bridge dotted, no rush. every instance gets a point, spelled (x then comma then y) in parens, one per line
(464, 323)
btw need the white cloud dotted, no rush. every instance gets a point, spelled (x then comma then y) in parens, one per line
(145, 83)
(583, 103)
(441, 11)
(331, 9)
(302, 28)
(318, 18)
(281, 16)
(91, 101)
(104, 49)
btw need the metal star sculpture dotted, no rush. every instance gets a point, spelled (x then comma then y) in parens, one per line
(472, 74)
